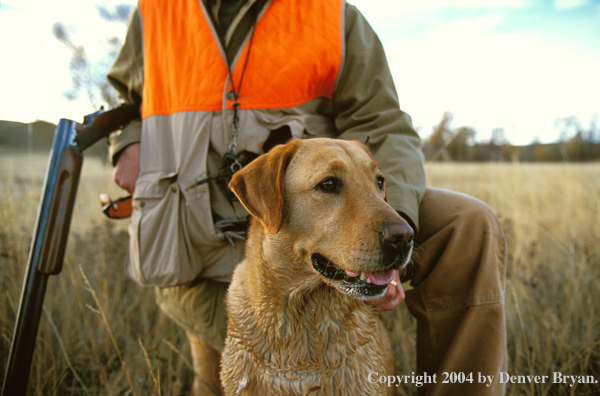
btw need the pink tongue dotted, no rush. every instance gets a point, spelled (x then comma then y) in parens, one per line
(381, 277)
(353, 274)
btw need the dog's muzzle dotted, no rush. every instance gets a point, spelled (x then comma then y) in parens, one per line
(396, 241)
(367, 284)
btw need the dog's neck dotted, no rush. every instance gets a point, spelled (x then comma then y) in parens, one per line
(285, 302)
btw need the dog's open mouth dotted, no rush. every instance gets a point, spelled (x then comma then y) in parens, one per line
(367, 284)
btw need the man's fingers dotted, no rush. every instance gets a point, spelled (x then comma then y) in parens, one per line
(104, 199)
(395, 298)
(394, 295)
(128, 167)
(124, 179)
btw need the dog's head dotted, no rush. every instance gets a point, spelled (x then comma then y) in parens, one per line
(325, 200)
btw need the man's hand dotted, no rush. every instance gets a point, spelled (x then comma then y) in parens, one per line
(393, 296)
(127, 169)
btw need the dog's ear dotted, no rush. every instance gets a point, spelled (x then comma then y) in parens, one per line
(259, 185)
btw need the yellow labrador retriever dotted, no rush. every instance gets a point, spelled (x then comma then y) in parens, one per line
(323, 241)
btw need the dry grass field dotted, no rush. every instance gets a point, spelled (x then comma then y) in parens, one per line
(101, 334)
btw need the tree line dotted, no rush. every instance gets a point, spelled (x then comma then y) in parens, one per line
(577, 143)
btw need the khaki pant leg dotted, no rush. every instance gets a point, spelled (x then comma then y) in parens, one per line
(458, 296)
(198, 307)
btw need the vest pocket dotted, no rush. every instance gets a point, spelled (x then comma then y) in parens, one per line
(160, 248)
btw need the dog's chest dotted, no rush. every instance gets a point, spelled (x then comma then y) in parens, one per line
(321, 353)
(348, 374)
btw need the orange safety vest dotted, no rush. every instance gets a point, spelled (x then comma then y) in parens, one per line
(295, 57)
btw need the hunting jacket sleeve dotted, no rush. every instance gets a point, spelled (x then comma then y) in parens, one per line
(365, 105)
(366, 109)
(127, 77)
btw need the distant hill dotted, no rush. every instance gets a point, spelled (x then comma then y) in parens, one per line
(19, 136)
(35, 137)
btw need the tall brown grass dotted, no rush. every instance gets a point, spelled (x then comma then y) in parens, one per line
(103, 335)
(105, 322)
(551, 217)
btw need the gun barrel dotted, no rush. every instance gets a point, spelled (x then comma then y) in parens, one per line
(46, 253)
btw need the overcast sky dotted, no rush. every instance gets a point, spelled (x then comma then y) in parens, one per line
(512, 64)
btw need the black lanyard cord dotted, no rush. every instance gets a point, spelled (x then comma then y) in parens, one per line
(236, 113)
(235, 92)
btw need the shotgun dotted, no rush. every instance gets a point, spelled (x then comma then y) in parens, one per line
(51, 231)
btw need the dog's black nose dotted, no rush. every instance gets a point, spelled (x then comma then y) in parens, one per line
(399, 234)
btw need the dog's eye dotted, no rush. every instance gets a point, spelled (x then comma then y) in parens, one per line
(329, 185)
(381, 182)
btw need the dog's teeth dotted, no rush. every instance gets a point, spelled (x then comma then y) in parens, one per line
(364, 277)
